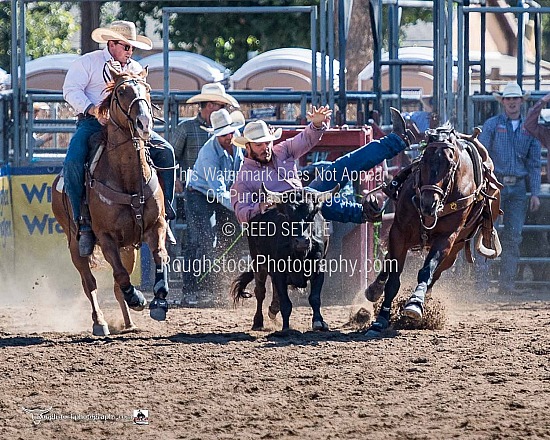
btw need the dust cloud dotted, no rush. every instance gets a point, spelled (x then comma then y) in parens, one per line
(51, 303)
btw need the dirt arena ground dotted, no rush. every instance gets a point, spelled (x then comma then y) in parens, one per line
(203, 374)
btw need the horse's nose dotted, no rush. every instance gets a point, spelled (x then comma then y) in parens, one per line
(429, 206)
(144, 125)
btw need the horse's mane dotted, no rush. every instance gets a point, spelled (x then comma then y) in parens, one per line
(103, 110)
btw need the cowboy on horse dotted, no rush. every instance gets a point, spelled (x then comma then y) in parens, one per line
(84, 89)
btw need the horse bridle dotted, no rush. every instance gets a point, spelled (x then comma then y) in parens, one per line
(444, 193)
(136, 201)
(126, 113)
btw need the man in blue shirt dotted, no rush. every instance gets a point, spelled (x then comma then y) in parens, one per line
(517, 159)
(207, 197)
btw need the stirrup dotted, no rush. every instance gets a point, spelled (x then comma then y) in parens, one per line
(496, 248)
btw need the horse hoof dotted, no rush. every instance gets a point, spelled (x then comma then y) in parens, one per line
(129, 329)
(377, 327)
(413, 311)
(374, 291)
(158, 309)
(135, 299)
(271, 315)
(160, 287)
(321, 326)
(287, 332)
(100, 330)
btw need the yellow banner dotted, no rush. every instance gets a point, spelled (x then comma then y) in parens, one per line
(7, 242)
(42, 256)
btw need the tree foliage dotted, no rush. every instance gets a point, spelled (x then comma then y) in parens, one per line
(227, 38)
(49, 26)
(545, 31)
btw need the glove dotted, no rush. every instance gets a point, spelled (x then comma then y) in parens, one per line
(371, 212)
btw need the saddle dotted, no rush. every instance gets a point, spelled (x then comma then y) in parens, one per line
(96, 145)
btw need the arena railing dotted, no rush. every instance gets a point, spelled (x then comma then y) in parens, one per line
(278, 107)
(6, 127)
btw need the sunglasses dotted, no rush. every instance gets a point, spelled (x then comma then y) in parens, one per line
(127, 47)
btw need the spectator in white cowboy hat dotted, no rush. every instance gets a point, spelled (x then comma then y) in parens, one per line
(190, 135)
(206, 195)
(517, 159)
(84, 89)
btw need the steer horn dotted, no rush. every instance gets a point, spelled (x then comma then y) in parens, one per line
(273, 196)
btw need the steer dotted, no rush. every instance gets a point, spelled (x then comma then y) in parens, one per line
(288, 243)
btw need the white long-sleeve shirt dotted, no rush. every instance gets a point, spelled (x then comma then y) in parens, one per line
(87, 77)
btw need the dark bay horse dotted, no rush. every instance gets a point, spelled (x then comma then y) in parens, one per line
(444, 201)
(125, 200)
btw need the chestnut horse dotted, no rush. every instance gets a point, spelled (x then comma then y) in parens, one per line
(441, 206)
(125, 201)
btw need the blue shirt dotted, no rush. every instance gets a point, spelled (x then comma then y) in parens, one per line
(514, 153)
(215, 170)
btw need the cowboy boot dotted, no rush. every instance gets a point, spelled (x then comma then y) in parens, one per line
(86, 238)
(399, 127)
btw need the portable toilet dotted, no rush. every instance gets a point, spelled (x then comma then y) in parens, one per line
(413, 77)
(188, 71)
(285, 68)
(48, 72)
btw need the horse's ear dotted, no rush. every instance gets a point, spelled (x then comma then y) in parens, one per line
(145, 72)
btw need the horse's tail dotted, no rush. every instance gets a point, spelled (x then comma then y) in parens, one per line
(238, 286)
